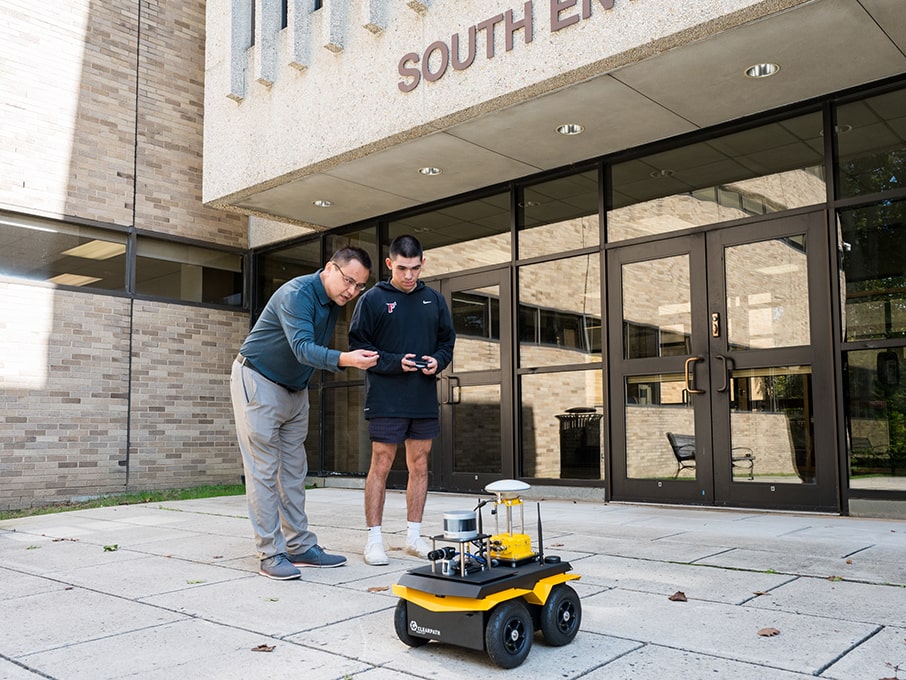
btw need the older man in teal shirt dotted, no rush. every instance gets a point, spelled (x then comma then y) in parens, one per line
(269, 390)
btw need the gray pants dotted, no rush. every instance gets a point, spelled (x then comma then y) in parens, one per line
(271, 425)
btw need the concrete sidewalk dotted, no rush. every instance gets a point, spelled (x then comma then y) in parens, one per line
(171, 590)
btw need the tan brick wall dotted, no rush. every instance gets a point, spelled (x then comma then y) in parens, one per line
(101, 120)
(70, 113)
(68, 109)
(170, 117)
(64, 395)
(64, 367)
(182, 431)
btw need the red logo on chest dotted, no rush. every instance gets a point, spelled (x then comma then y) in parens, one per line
(390, 307)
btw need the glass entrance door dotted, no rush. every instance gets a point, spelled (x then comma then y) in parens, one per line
(719, 345)
(475, 447)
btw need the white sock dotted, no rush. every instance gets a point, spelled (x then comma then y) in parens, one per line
(374, 535)
(413, 532)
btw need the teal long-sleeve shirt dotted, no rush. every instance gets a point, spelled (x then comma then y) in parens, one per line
(289, 340)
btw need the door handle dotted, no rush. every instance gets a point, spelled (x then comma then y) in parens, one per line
(728, 364)
(455, 391)
(690, 388)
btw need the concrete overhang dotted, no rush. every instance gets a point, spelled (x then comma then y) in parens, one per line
(678, 84)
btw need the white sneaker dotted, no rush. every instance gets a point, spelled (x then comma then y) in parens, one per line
(375, 555)
(419, 548)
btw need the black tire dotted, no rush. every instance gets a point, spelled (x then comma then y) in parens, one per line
(508, 635)
(401, 623)
(561, 616)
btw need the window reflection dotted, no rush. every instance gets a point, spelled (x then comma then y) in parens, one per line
(871, 145)
(347, 447)
(562, 425)
(771, 419)
(61, 253)
(763, 170)
(559, 215)
(476, 430)
(874, 250)
(657, 312)
(657, 406)
(183, 272)
(876, 418)
(767, 294)
(560, 312)
(483, 223)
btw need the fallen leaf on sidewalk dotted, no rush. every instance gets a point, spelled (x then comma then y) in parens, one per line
(264, 648)
(678, 596)
(378, 589)
(759, 593)
(834, 578)
(111, 548)
(768, 632)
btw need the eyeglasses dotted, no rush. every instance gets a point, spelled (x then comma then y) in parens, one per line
(349, 281)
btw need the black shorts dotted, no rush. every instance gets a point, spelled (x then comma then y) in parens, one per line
(398, 430)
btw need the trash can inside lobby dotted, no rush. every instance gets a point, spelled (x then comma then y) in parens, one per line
(580, 443)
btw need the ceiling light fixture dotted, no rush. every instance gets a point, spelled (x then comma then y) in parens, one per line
(529, 204)
(430, 171)
(569, 129)
(97, 250)
(661, 174)
(72, 279)
(322, 203)
(838, 129)
(762, 70)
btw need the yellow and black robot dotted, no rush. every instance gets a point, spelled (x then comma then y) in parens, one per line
(490, 592)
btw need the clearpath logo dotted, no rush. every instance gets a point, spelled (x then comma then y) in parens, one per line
(419, 630)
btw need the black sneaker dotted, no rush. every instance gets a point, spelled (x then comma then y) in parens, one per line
(278, 567)
(316, 557)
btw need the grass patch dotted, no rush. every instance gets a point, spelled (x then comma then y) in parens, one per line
(130, 499)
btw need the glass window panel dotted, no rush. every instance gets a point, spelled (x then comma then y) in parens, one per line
(876, 418)
(184, 272)
(562, 425)
(871, 145)
(771, 419)
(66, 254)
(476, 430)
(276, 267)
(347, 447)
(657, 312)
(463, 236)
(763, 170)
(656, 405)
(476, 318)
(767, 294)
(559, 215)
(874, 250)
(560, 312)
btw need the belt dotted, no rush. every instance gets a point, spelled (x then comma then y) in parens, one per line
(243, 361)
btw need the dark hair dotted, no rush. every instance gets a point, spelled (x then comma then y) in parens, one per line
(347, 254)
(405, 246)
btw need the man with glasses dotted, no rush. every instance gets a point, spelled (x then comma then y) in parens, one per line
(410, 325)
(269, 390)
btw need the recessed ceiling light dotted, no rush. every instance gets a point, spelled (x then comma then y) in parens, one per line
(97, 250)
(839, 129)
(72, 279)
(571, 129)
(659, 174)
(762, 70)
(430, 171)
(529, 204)
(320, 203)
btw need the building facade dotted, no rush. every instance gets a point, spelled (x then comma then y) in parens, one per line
(670, 233)
(120, 292)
